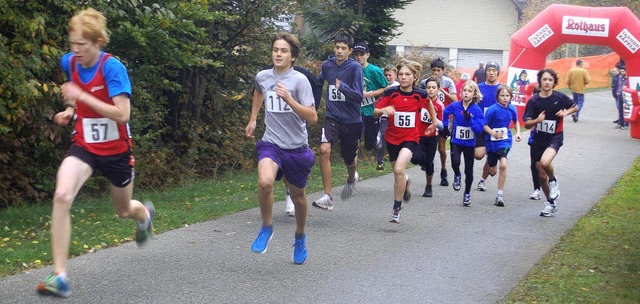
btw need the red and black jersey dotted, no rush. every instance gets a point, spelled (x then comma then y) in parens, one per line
(403, 124)
(425, 120)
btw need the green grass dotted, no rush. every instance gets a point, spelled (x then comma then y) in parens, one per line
(24, 230)
(598, 260)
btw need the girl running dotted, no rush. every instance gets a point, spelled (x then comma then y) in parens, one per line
(403, 105)
(467, 122)
(499, 138)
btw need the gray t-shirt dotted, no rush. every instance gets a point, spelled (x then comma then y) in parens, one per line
(284, 128)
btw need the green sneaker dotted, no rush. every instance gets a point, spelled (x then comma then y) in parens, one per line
(54, 285)
(143, 235)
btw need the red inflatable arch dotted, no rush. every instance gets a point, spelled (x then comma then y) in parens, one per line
(615, 27)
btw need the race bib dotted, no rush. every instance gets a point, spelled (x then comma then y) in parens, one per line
(546, 126)
(99, 130)
(424, 116)
(275, 104)
(441, 96)
(404, 119)
(367, 101)
(505, 134)
(335, 94)
(464, 133)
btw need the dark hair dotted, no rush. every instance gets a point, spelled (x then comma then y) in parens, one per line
(552, 73)
(434, 79)
(437, 63)
(293, 42)
(344, 37)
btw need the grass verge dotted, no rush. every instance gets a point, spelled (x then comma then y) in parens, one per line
(598, 260)
(24, 230)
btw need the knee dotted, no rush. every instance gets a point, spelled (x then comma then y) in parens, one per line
(265, 185)
(325, 150)
(492, 171)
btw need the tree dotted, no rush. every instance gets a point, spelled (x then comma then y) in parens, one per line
(368, 21)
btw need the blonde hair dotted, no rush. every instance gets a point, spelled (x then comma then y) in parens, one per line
(477, 95)
(413, 66)
(92, 24)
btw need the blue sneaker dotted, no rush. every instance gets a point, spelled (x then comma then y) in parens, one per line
(457, 182)
(466, 201)
(300, 250)
(143, 235)
(262, 241)
(54, 285)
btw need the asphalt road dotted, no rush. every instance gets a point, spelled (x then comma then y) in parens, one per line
(442, 252)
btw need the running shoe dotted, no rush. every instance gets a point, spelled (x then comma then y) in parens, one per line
(456, 182)
(348, 188)
(406, 197)
(428, 191)
(554, 190)
(143, 235)
(380, 166)
(299, 250)
(499, 200)
(396, 216)
(482, 186)
(535, 195)
(290, 208)
(443, 178)
(466, 201)
(54, 285)
(548, 209)
(262, 241)
(325, 202)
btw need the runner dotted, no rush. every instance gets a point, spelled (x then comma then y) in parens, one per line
(447, 95)
(284, 149)
(429, 140)
(546, 111)
(468, 122)
(343, 120)
(403, 105)
(391, 73)
(499, 138)
(488, 90)
(374, 83)
(98, 96)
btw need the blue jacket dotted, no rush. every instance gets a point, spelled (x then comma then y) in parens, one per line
(351, 86)
(461, 134)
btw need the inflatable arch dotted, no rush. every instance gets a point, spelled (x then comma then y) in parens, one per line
(615, 27)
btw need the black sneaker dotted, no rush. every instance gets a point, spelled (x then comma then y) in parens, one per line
(443, 178)
(428, 192)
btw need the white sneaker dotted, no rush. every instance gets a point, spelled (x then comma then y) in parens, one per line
(325, 202)
(548, 209)
(482, 186)
(535, 195)
(499, 200)
(554, 191)
(348, 188)
(290, 209)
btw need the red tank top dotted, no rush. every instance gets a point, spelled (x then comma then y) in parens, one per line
(425, 120)
(92, 131)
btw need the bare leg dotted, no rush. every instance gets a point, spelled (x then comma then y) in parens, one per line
(267, 170)
(325, 166)
(299, 198)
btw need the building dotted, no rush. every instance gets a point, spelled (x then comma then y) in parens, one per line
(462, 32)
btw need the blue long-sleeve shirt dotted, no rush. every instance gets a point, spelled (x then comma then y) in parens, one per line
(464, 131)
(343, 104)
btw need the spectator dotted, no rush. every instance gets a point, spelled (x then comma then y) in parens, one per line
(577, 80)
(479, 75)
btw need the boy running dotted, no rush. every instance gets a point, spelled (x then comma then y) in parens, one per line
(284, 149)
(343, 120)
(546, 111)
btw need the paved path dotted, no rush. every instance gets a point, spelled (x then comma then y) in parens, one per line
(442, 252)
